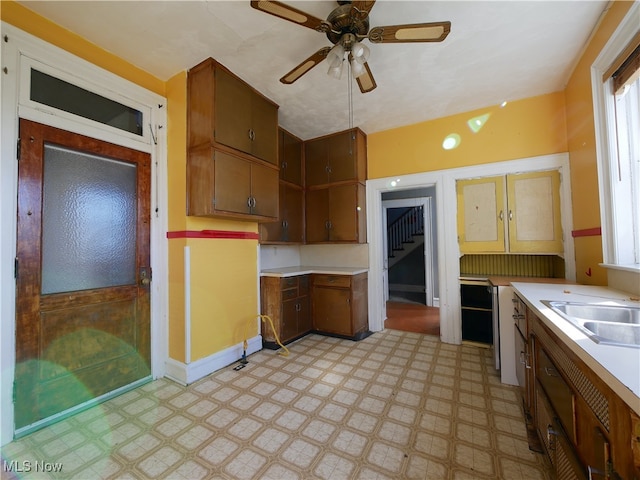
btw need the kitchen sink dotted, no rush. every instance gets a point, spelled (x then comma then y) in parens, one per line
(607, 324)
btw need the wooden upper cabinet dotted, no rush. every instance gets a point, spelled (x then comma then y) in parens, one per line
(339, 157)
(516, 213)
(222, 184)
(222, 109)
(289, 228)
(336, 214)
(290, 153)
(232, 135)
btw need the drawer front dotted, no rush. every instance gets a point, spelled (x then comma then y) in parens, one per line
(557, 390)
(340, 281)
(289, 294)
(288, 282)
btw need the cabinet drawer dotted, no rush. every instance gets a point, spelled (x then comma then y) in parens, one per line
(288, 282)
(559, 394)
(340, 281)
(289, 294)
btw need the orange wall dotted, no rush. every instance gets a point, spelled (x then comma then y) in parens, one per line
(520, 129)
(582, 150)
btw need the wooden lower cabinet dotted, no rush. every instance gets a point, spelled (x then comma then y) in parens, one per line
(339, 304)
(585, 428)
(286, 302)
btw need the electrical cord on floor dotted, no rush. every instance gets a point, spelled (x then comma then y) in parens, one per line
(284, 352)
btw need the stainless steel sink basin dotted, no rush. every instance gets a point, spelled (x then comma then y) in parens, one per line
(608, 324)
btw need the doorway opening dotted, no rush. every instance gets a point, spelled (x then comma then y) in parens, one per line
(409, 263)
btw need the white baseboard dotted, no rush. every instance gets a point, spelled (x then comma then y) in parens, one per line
(186, 374)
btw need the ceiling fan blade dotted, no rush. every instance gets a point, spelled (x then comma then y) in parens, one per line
(417, 32)
(366, 82)
(291, 14)
(305, 66)
(360, 8)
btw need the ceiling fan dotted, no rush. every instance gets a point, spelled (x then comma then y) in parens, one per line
(346, 27)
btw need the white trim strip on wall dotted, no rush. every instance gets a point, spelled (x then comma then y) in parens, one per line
(187, 305)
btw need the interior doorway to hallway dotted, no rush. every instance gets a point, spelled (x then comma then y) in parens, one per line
(410, 266)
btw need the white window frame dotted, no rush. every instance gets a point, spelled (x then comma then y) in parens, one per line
(616, 246)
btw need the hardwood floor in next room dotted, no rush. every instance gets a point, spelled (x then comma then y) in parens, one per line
(413, 317)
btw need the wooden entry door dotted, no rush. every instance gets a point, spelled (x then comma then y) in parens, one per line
(83, 309)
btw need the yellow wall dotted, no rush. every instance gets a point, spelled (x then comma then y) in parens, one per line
(25, 19)
(224, 294)
(223, 272)
(582, 150)
(520, 129)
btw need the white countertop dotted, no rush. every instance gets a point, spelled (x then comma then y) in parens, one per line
(307, 269)
(618, 366)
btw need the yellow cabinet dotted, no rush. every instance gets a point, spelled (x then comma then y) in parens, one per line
(517, 213)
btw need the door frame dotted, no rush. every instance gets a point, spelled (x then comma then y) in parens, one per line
(448, 256)
(18, 51)
(429, 273)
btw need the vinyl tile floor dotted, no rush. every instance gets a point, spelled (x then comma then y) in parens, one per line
(396, 405)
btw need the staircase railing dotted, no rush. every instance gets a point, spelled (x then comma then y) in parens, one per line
(404, 228)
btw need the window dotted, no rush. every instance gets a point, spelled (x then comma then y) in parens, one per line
(57, 93)
(616, 89)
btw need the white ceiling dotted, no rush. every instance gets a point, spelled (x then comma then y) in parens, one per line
(496, 51)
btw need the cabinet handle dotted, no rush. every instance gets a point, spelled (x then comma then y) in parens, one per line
(252, 134)
(550, 371)
(524, 360)
(510, 215)
(253, 202)
(285, 224)
(551, 437)
(594, 471)
(249, 202)
(518, 316)
(283, 165)
(328, 225)
(501, 215)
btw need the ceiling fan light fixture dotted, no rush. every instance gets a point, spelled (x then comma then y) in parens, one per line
(360, 52)
(335, 56)
(335, 71)
(357, 68)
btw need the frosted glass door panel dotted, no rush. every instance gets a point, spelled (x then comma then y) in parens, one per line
(88, 223)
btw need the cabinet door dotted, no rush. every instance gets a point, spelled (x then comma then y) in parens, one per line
(341, 154)
(200, 182)
(346, 208)
(232, 183)
(332, 310)
(289, 325)
(274, 231)
(264, 128)
(317, 215)
(293, 215)
(481, 215)
(534, 212)
(315, 162)
(264, 191)
(304, 315)
(232, 111)
(290, 152)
